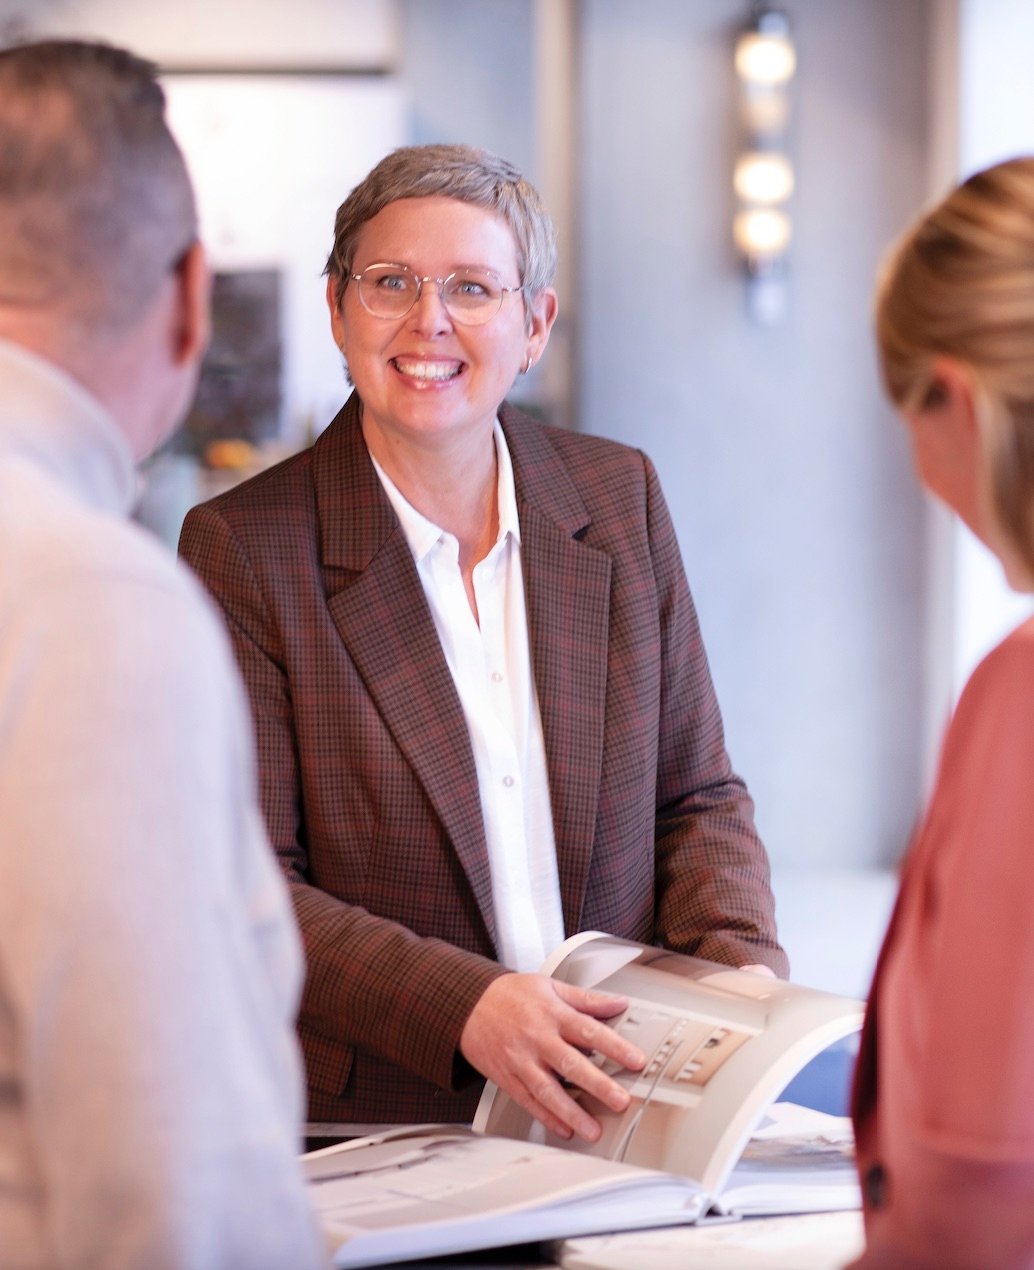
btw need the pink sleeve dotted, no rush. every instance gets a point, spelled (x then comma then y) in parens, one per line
(953, 1214)
(974, 969)
(956, 1038)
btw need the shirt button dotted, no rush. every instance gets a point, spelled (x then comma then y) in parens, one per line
(508, 781)
(496, 677)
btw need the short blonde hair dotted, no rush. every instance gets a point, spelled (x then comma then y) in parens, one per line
(960, 284)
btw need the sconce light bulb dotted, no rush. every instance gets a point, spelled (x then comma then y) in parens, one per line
(768, 59)
(762, 177)
(765, 111)
(761, 232)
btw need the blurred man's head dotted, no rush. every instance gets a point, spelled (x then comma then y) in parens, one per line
(98, 226)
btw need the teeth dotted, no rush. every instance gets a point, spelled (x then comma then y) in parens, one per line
(427, 370)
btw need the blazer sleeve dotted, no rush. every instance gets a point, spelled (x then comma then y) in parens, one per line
(714, 898)
(371, 982)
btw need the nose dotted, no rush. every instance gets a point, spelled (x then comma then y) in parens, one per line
(429, 311)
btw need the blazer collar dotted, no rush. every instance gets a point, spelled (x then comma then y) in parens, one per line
(539, 476)
(356, 518)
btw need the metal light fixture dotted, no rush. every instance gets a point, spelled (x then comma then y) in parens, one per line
(763, 179)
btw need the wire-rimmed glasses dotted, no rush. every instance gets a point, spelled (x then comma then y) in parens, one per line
(470, 296)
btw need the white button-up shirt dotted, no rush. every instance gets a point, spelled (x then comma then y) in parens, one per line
(491, 667)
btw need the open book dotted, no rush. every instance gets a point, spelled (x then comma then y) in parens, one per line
(702, 1138)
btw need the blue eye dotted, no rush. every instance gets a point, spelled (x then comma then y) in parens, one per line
(470, 288)
(392, 282)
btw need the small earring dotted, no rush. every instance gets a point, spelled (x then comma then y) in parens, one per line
(527, 365)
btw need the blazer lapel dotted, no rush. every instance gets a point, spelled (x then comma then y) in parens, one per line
(377, 603)
(567, 585)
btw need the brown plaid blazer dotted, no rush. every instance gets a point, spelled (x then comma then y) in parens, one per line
(367, 775)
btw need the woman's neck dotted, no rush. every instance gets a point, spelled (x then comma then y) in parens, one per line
(450, 481)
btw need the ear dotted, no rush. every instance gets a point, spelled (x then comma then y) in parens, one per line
(193, 327)
(953, 395)
(542, 313)
(336, 322)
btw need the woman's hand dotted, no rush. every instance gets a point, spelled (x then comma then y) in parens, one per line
(531, 1035)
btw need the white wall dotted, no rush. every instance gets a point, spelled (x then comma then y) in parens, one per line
(215, 34)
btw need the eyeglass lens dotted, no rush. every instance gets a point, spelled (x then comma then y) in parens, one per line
(390, 291)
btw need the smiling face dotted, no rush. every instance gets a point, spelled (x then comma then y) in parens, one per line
(425, 378)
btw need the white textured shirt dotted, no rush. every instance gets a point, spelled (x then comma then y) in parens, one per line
(491, 667)
(150, 1087)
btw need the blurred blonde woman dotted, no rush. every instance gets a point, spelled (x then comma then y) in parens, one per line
(944, 1095)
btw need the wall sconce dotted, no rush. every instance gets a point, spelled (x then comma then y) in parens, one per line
(763, 178)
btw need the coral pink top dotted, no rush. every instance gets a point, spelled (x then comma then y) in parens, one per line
(944, 1092)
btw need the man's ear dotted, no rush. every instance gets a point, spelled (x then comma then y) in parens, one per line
(194, 305)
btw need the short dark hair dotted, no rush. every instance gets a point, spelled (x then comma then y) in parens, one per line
(95, 199)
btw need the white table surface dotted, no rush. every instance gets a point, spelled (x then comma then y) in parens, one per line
(817, 1241)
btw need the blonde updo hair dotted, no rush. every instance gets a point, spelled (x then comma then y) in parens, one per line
(960, 284)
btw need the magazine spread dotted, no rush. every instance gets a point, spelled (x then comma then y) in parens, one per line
(722, 1045)
(702, 1138)
(429, 1190)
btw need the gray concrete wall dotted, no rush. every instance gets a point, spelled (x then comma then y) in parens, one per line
(787, 476)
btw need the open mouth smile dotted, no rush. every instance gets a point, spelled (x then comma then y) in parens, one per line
(429, 372)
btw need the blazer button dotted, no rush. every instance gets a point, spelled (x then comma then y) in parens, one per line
(874, 1186)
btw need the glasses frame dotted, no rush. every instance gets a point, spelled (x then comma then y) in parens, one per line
(440, 283)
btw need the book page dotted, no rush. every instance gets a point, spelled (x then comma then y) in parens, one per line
(795, 1156)
(424, 1192)
(721, 1044)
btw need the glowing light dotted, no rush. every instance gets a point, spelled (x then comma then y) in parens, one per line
(765, 57)
(761, 231)
(763, 178)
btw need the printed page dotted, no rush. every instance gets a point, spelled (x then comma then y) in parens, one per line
(722, 1044)
(798, 1160)
(434, 1192)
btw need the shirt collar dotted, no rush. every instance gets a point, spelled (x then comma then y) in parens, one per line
(423, 534)
(51, 420)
